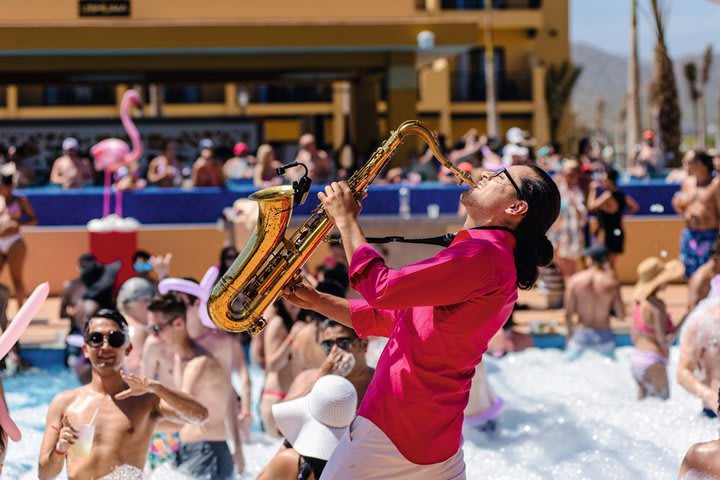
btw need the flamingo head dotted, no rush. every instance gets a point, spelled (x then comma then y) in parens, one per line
(133, 97)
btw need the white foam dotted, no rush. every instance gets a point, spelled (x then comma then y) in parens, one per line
(561, 420)
(113, 223)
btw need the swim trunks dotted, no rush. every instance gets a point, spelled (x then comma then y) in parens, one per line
(210, 460)
(695, 248)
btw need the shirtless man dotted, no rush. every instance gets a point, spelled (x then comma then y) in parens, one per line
(203, 450)
(71, 170)
(227, 350)
(699, 202)
(699, 283)
(125, 410)
(317, 161)
(592, 295)
(133, 299)
(700, 351)
(345, 357)
(702, 460)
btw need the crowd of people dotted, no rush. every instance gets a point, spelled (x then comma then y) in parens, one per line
(157, 382)
(217, 165)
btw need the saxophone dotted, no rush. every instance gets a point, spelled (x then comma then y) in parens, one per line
(269, 262)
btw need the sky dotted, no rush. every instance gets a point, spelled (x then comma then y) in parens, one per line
(605, 24)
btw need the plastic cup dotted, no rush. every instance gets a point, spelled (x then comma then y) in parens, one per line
(83, 445)
(433, 210)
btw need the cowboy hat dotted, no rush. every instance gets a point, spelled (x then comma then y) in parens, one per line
(653, 273)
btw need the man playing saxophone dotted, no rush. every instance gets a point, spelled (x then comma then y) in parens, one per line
(439, 315)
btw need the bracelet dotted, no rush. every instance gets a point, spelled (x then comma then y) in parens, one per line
(58, 451)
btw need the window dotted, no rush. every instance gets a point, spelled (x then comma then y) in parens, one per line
(291, 93)
(194, 93)
(62, 95)
(468, 79)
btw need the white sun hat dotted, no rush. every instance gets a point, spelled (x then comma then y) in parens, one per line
(315, 423)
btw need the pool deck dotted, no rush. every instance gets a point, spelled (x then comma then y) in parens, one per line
(48, 330)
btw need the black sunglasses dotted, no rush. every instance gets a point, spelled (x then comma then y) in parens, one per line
(342, 342)
(115, 339)
(512, 182)
(156, 329)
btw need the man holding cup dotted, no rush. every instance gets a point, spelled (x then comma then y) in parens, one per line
(120, 411)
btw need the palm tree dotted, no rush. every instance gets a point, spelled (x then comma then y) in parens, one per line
(560, 81)
(663, 91)
(490, 87)
(704, 79)
(690, 70)
(632, 132)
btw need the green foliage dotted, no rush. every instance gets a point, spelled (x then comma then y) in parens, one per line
(560, 81)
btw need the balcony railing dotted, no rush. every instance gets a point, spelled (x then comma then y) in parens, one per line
(291, 93)
(498, 4)
(470, 87)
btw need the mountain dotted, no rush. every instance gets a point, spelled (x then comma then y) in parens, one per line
(605, 76)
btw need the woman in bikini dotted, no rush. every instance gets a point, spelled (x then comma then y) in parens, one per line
(277, 339)
(265, 174)
(15, 211)
(653, 330)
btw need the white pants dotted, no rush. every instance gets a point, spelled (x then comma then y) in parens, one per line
(367, 453)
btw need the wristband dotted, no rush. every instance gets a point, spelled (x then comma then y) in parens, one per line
(58, 451)
(290, 340)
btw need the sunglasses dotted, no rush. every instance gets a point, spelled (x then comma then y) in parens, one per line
(115, 339)
(512, 182)
(156, 329)
(342, 342)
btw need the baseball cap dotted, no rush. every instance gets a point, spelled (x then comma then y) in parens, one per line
(205, 143)
(648, 134)
(240, 148)
(70, 143)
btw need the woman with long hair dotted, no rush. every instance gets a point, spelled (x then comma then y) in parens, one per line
(282, 328)
(265, 174)
(610, 207)
(15, 212)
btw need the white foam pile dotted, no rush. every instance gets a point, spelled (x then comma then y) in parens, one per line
(576, 420)
(113, 223)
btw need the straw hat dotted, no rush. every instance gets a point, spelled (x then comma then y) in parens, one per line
(315, 423)
(653, 273)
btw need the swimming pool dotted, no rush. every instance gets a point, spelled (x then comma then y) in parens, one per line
(561, 420)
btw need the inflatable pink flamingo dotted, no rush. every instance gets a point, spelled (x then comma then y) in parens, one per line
(10, 337)
(111, 154)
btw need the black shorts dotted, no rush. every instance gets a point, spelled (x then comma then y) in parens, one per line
(205, 460)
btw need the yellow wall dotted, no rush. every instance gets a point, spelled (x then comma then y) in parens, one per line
(51, 11)
(362, 36)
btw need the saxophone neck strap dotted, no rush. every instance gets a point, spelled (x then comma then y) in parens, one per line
(441, 241)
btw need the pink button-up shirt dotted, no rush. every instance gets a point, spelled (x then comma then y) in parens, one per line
(439, 315)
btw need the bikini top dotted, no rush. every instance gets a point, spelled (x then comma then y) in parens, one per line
(308, 465)
(639, 324)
